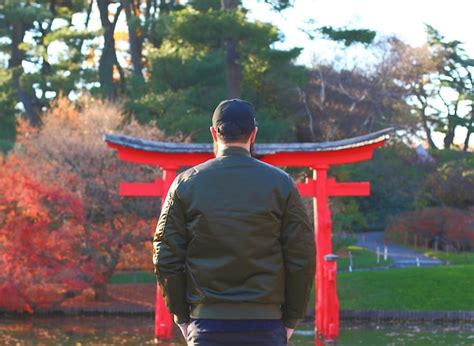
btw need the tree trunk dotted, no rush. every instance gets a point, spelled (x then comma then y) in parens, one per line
(86, 25)
(100, 292)
(233, 68)
(134, 40)
(27, 98)
(466, 141)
(109, 57)
(166, 6)
(449, 137)
(470, 130)
(303, 99)
(452, 124)
(426, 127)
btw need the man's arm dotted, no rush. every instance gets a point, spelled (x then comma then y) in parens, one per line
(297, 241)
(169, 250)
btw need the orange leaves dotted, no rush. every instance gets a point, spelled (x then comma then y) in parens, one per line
(442, 226)
(62, 108)
(27, 308)
(63, 224)
(40, 237)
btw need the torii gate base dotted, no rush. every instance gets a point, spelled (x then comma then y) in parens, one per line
(318, 156)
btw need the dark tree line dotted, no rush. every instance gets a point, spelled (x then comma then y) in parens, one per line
(180, 60)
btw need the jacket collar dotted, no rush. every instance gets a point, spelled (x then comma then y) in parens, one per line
(232, 151)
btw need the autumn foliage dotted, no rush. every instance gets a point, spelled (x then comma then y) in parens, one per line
(63, 224)
(438, 228)
(41, 236)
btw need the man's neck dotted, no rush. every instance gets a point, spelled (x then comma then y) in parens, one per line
(222, 146)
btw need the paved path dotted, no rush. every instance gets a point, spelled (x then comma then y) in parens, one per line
(402, 256)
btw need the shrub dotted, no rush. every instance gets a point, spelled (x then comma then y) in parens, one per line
(446, 228)
(395, 177)
(452, 184)
(69, 150)
(41, 237)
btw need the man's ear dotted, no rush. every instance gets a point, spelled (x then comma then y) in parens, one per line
(213, 133)
(253, 135)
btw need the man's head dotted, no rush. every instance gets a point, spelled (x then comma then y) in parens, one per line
(233, 123)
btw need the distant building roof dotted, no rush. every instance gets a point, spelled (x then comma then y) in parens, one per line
(261, 149)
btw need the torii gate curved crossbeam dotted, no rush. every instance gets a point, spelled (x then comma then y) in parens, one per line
(319, 157)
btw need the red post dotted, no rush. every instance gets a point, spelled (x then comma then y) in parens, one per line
(163, 319)
(331, 328)
(326, 322)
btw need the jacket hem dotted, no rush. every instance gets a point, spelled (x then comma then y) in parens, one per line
(236, 311)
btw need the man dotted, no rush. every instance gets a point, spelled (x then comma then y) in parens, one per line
(233, 248)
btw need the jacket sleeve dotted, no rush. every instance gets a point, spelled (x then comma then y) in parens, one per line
(297, 241)
(169, 250)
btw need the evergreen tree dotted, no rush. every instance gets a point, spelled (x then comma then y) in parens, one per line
(30, 28)
(188, 71)
(7, 111)
(454, 77)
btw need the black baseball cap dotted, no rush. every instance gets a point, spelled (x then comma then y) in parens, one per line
(234, 118)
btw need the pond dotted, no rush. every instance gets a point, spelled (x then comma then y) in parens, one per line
(87, 330)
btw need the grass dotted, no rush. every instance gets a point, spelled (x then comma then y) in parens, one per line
(361, 259)
(434, 288)
(452, 257)
(429, 288)
(133, 278)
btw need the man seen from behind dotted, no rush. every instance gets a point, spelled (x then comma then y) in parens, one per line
(234, 250)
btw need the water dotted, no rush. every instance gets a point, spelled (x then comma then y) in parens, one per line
(397, 334)
(88, 330)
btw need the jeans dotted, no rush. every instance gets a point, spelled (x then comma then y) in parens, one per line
(205, 332)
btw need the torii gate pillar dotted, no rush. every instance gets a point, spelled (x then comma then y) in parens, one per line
(159, 188)
(318, 156)
(327, 303)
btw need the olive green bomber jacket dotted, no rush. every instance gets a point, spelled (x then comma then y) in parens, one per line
(234, 241)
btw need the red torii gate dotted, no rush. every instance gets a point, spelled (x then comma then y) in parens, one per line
(170, 157)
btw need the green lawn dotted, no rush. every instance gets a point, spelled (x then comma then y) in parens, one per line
(133, 278)
(433, 288)
(361, 259)
(452, 257)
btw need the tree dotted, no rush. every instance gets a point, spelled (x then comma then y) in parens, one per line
(411, 71)
(232, 56)
(451, 183)
(439, 228)
(396, 177)
(7, 111)
(16, 19)
(439, 83)
(230, 43)
(41, 236)
(30, 28)
(188, 78)
(69, 146)
(455, 73)
(470, 128)
(136, 34)
(346, 103)
(108, 58)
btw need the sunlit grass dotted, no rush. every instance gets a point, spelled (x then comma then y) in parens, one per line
(452, 257)
(433, 288)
